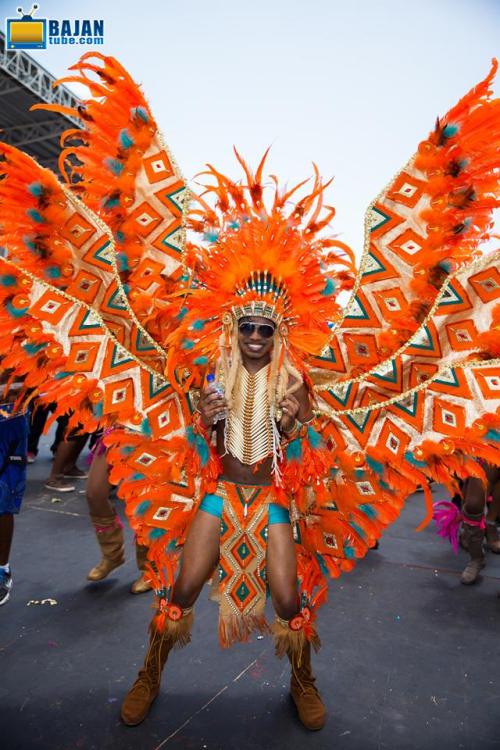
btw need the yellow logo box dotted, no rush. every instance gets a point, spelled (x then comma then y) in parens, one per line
(26, 32)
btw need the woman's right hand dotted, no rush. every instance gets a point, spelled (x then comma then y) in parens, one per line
(210, 405)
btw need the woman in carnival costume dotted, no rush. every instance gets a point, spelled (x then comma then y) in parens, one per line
(262, 434)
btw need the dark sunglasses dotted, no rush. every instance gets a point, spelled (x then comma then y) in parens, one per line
(265, 331)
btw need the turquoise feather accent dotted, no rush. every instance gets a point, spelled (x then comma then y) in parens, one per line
(16, 313)
(321, 563)
(445, 265)
(187, 344)
(62, 375)
(138, 476)
(314, 438)
(172, 545)
(140, 112)
(359, 473)
(142, 508)
(126, 141)
(198, 325)
(35, 215)
(211, 236)
(53, 272)
(368, 510)
(156, 534)
(375, 466)
(349, 552)
(182, 313)
(357, 529)
(122, 262)
(294, 450)
(450, 130)
(111, 202)
(36, 189)
(493, 435)
(97, 409)
(126, 450)
(234, 225)
(199, 444)
(146, 427)
(29, 243)
(33, 349)
(120, 237)
(8, 280)
(329, 288)
(201, 361)
(413, 461)
(114, 165)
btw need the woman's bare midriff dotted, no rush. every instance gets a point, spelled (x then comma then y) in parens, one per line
(235, 471)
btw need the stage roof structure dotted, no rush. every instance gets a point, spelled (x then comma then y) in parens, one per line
(24, 82)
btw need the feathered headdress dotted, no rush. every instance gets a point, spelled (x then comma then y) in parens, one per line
(264, 258)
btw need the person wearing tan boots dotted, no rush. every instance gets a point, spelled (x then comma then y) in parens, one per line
(478, 527)
(108, 527)
(201, 551)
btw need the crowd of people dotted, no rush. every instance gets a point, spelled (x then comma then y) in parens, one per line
(19, 446)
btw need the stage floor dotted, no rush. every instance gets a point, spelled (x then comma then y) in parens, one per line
(409, 657)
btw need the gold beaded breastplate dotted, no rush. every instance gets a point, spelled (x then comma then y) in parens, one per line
(249, 426)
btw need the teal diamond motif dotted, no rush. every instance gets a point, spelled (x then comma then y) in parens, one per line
(243, 551)
(242, 592)
(378, 218)
(89, 321)
(102, 253)
(223, 527)
(156, 385)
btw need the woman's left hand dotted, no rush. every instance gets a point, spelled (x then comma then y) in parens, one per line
(290, 408)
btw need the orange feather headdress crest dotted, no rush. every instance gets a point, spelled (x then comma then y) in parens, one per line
(265, 258)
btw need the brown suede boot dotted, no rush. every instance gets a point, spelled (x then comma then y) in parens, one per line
(141, 585)
(109, 533)
(139, 699)
(303, 690)
(492, 537)
(473, 537)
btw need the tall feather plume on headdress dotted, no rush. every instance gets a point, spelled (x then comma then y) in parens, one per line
(260, 257)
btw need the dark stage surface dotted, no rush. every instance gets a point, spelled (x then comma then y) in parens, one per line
(409, 660)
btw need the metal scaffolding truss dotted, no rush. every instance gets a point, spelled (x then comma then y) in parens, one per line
(24, 82)
(27, 71)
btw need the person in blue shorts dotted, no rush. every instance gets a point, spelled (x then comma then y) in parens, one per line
(13, 449)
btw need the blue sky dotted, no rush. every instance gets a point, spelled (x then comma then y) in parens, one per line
(352, 85)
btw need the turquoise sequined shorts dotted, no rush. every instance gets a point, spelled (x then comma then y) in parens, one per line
(213, 504)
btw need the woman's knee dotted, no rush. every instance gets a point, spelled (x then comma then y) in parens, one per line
(286, 603)
(98, 501)
(474, 495)
(185, 592)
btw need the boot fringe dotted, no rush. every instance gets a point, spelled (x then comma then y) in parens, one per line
(291, 643)
(177, 633)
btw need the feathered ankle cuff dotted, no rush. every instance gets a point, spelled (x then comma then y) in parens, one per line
(291, 636)
(174, 624)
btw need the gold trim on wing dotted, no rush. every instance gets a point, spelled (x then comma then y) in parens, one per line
(366, 248)
(471, 267)
(90, 309)
(463, 365)
(86, 211)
